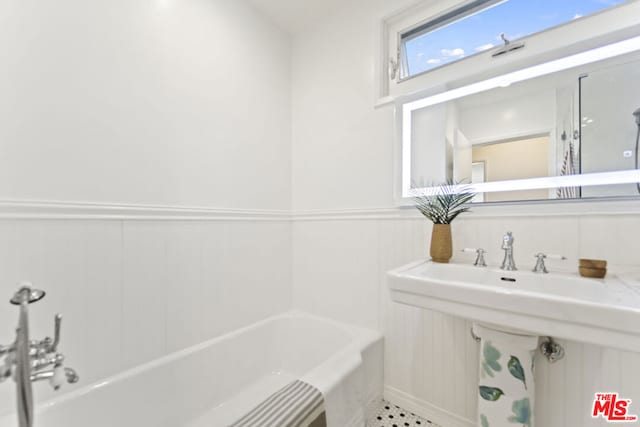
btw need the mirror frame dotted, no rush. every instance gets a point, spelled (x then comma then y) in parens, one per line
(405, 108)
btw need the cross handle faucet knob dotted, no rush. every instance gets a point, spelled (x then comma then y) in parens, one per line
(479, 262)
(540, 266)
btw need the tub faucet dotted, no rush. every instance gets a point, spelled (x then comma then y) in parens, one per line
(508, 263)
(28, 361)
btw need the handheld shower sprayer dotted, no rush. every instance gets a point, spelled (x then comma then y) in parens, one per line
(636, 114)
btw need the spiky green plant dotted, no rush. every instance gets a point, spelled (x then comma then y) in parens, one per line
(445, 203)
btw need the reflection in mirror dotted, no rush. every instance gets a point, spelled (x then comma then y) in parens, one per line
(517, 159)
(574, 123)
(609, 128)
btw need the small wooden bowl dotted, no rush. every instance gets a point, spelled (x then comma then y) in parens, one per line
(594, 273)
(593, 263)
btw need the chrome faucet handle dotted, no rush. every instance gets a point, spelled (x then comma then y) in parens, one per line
(57, 375)
(479, 262)
(49, 364)
(540, 267)
(72, 376)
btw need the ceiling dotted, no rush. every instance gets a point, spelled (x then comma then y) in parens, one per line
(295, 15)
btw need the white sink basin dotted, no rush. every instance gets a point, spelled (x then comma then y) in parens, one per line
(599, 311)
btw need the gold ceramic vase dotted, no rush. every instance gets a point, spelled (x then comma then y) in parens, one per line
(441, 248)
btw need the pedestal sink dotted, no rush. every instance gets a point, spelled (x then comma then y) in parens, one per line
(512, 308)
(598, 311)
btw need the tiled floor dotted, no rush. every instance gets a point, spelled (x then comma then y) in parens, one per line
(389, 415)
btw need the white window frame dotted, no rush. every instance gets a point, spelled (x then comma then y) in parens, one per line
(572, 37)
(447, 17)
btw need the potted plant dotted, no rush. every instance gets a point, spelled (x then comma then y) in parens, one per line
(441, 206)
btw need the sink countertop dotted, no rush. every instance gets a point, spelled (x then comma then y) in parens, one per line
(564, 305)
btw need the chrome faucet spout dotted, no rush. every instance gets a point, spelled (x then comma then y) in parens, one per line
(508, 263)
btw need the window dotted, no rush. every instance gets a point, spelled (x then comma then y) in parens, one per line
(476, 27)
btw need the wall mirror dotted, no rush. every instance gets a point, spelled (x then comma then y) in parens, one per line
(567, 131)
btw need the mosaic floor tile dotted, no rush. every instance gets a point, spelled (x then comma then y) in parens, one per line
(390, 415)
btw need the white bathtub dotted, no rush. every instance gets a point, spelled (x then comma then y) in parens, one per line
(216, 382)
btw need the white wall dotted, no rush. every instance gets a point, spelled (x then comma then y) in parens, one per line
(146, 102)
(347, 234)
(334, 121)
(160, 102)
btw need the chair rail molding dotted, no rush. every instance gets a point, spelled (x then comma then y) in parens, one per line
(48, 209)
(543, 208)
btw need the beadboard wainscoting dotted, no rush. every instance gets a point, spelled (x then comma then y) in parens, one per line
(145, 186)
(430, 358)
(132, 290)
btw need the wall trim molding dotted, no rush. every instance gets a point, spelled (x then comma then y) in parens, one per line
(565, 208)
(355, 214)
(425, 409)
(46, 209)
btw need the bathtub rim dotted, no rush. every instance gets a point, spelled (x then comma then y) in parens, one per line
(360, 339)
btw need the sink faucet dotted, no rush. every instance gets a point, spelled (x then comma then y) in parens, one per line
(29, 361)
(508, 263)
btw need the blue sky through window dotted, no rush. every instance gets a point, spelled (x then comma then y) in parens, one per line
(515, 18)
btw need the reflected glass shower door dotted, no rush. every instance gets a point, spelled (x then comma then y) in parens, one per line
(607, 127)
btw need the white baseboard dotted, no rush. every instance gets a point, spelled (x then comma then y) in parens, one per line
(425, 409)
